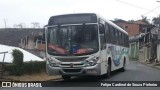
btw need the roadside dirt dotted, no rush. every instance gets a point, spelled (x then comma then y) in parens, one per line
(31, 77)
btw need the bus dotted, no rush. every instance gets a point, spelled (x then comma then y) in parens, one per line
(84, 44)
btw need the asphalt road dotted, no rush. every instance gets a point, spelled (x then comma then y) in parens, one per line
(135, 71)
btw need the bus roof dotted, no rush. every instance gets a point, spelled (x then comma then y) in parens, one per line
(73, 18)
(98, 16)
(73, 14)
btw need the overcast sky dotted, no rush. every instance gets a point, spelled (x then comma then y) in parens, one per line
(28, 11)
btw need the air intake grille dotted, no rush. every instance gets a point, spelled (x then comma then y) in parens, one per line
(79, 59)
(71, 70)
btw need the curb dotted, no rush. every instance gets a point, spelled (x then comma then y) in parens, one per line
(7, 79)
(153, 65)
(10, 79)
(156, 67)
(54, 79)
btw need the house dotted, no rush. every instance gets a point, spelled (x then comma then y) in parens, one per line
(132, 28)
(34, 44)
(134, 46)
(139, 34)
(148, 45)
(12, 36)
(29, 39)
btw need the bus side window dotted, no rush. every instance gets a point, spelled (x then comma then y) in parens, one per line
(101, 29)
(125, 40)
(120, 38)
(112, 35)
(116, 36)
(107, 31)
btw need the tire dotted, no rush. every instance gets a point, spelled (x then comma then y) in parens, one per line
(66, 77)
(124, 67)
(108, 71)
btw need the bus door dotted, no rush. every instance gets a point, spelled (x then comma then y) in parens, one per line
(103, 55)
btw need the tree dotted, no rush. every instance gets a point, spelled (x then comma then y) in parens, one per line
(156, 21)
(35, 24)
(17, 57)
(131, 21)
(17, 62)
(21, 25)
(145, 19)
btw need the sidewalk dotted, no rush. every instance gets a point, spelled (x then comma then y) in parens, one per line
(155, 65)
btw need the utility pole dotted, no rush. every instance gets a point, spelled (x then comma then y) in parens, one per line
(5, 23)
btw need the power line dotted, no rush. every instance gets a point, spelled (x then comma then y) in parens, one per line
(150, 11)
(133, 5)
(136, 6)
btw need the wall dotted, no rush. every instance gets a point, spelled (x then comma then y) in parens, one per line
(134, 50)
(31, 43)
(144, 53)
(131, 28)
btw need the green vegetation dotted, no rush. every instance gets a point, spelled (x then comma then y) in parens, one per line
(34, 67)
(18, 67)
(17, 57)
(30, 67)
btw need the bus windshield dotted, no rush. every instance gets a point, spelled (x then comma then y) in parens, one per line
(73, 40)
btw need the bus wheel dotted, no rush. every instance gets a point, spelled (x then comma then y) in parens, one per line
(124, 66)
(66, 77)
(109, 71)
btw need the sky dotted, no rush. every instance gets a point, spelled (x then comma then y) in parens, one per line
(28, 11)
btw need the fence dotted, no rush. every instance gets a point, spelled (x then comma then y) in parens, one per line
(2, 64)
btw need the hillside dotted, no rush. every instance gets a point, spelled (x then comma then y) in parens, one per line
(12, 36)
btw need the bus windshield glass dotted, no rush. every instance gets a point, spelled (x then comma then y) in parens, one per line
(73, 40)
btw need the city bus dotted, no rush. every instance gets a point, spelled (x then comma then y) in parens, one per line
(84, 44)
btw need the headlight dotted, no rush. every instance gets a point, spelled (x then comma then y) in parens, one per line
(53, 63)
(92, 61)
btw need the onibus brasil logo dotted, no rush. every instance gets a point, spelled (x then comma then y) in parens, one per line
(21, 84)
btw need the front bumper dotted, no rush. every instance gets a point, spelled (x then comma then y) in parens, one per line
(90, 70)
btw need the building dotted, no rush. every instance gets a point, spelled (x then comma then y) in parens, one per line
(140, 39)
(133, 28)
(134, 48)
(34, 44)
(12, 36)
(29, 39)
(148, 45)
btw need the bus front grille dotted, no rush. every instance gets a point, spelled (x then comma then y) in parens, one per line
(77, 59)
(73, 65)
(72, 70)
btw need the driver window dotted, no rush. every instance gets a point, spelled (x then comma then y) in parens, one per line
(102, 36)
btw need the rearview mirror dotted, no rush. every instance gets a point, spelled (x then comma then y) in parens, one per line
(44, 30)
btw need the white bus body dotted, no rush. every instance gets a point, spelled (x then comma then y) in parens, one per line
(107, 49)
